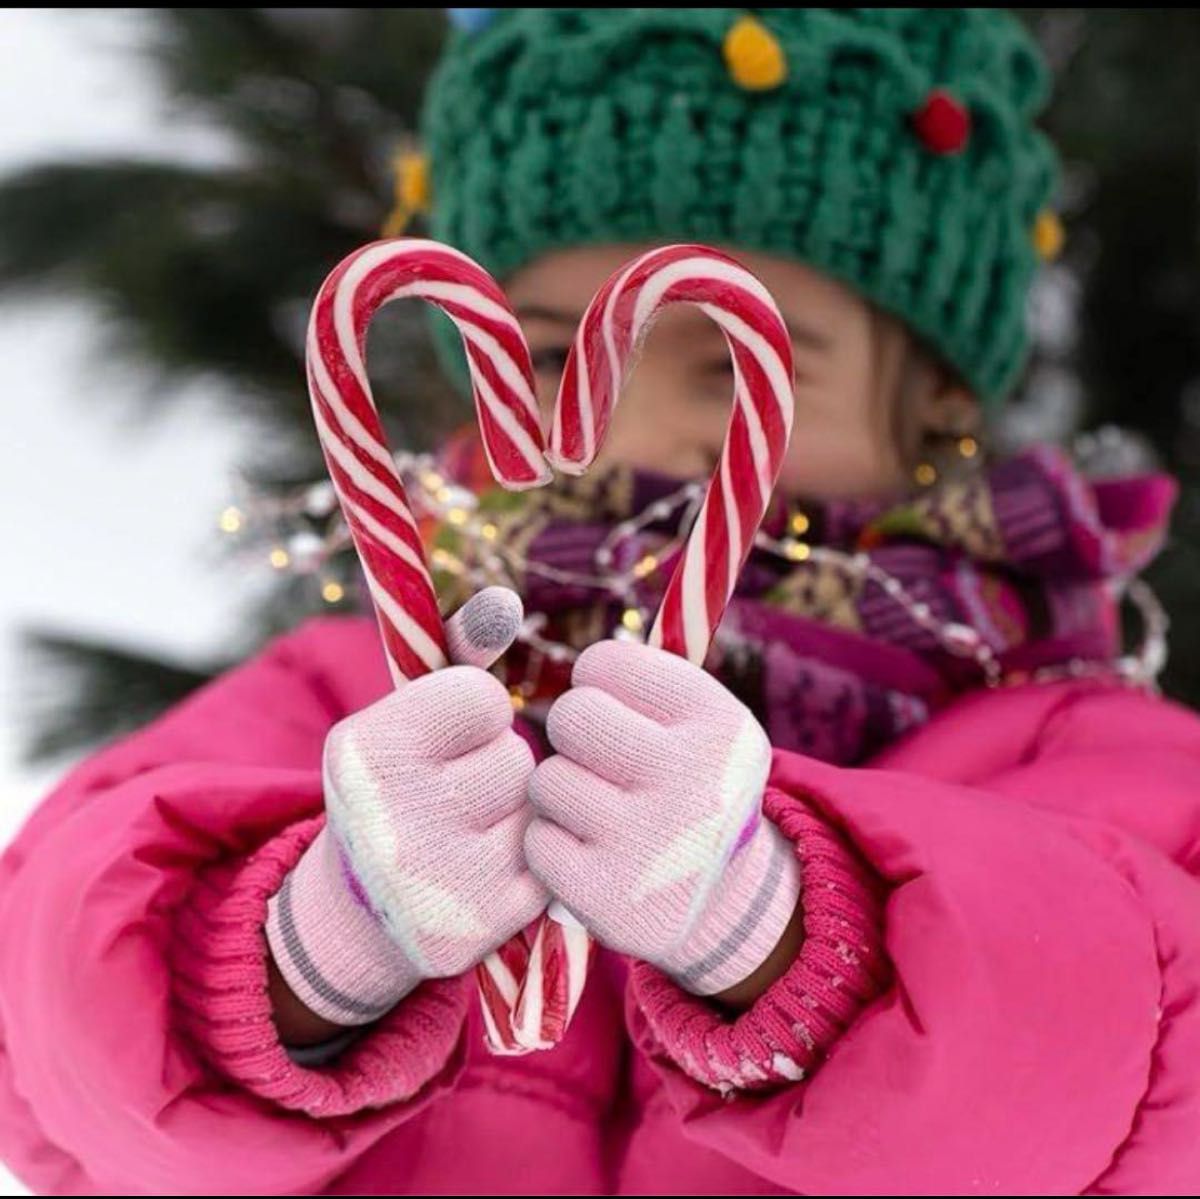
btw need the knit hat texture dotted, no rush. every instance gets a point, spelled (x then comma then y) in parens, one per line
(893, 149)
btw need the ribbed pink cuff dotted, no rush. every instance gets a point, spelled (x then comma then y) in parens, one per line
(219, 964)
(841, 968)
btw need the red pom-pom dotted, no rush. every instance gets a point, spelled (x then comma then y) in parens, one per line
(942, 123)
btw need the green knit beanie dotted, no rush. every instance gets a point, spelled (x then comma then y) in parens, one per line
(893, 149)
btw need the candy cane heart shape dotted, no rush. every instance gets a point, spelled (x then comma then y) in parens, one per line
(529, 987)
(369, 487)
(612, 330)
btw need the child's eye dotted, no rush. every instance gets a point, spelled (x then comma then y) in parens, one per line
(714, 378)
(718, 368)
(549, 360)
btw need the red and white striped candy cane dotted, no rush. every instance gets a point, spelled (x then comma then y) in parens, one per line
(369, 487)
(612, 329)
(530, 989)
(356, 451)
(760, 426)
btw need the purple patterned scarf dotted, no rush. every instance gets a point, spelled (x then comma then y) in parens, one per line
(1028, 553)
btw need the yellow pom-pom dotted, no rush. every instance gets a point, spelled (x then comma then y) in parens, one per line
(1048, 235)
(412, 181)
(754, 56)
(412, 191)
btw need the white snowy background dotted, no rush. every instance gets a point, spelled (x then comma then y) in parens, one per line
(108, 523)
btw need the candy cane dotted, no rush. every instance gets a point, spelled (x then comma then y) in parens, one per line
(612, 330)
(369, 487)
(531, 986)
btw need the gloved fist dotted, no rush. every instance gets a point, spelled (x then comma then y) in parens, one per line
(649, 825)
(419, 872)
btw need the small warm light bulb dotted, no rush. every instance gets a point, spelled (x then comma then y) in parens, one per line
(432, 480)
(968, 447)
(230, 520)
(332, 592)
(796, 550)
(279, 557)
(800, 523)
(457, 516)
(516, 699)
(925, 474)
(444, 560)
(645, 566)
(442, 494)
(631, 618)
(489, 531)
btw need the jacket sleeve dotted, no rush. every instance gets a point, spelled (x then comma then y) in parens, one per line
(1040, 1032)
(137, 1049)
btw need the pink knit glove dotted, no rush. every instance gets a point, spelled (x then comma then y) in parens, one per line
(419, 871)
(649, 824)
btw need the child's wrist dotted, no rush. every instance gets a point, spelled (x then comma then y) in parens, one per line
(745, 994)
(743, 933)
(297, 1024)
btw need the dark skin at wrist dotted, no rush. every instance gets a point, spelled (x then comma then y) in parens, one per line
(299, 1025)
(296, 1024)
(743, 994)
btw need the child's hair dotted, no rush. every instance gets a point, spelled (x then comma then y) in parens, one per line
(921, 447)
(893, 149)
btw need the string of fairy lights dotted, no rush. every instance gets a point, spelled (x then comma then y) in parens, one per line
(301, 531)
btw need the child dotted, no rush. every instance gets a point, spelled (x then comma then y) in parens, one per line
(898, 896)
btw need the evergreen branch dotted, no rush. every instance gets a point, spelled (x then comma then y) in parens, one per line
(82, 692)
(195, 272)
(310, 89)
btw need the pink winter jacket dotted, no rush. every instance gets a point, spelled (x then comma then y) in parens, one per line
(1018, 1012)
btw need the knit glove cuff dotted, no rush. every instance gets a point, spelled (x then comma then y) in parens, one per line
(744, 918)
(328, 945)
(784, 1036)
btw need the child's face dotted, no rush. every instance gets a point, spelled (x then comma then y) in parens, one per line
(850, 366)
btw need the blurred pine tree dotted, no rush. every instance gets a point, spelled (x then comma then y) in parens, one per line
(1126, 116)
(208, 272)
